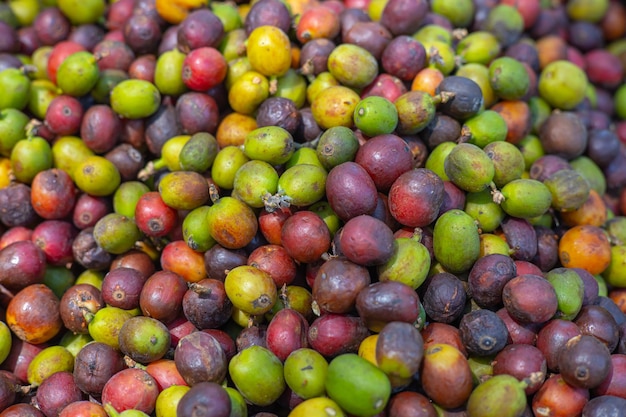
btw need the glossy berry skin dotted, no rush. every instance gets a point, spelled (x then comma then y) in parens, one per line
(305, 236)
(64, 115)
(55, 238)
(204, 68)
(89, 209)
(22, 263)
(33, 314)
(53, 194)
(416, 197)
(153, 216)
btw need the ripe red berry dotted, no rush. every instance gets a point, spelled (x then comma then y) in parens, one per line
(153, 216)
(204, 68)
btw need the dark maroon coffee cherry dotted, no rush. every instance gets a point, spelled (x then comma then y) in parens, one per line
(523, 361)
(94, 365)
(584, 361)
(9, 61)
(15, 206)
(371, 36)
(595, 320)
(305, 237)
(442, 128)
(88, 35)
(366, 241)
(162, 295)
(143, 67)
(547, 165)
(200, 28)
(281, 112)
(205, 399)
(444, 299)
(51, 26)
(585, 36)
(518, 332)
(22, 263)
(385, 158)
(113, 55)
(142, 34)
(28, 42)
(464, 97)
(334, 334)
(338, 283)
(521, 237)
(309, 129)
(559, 126)
(8, 391)
(121, 288)
(483, 332)
(603, 146)
(218, 261)
(551, 339)
(387, 301)
(9, 41)
(89, 209)
(286, 332)
(403, 57)
(404, 17)
(530, 298)
(75, 302)
(314, 56)
(488, 277)
(605, 405)
(161, 126)
(225, 340)
(525, 53)
(350, 16)
(199, 358)
(127, 159)
(254, 335)
(56, 392)
(547, 254)
(206, 304)
(268, 12)
(350, 190)
(453, 197)
(169, 40)
(197, 112)
(611, 306)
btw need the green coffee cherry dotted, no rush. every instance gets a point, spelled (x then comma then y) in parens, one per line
(78, 74)
(375, 115)
(135, 99)
(271, 144)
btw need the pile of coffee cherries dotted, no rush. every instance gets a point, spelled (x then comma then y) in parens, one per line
(312, 208)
